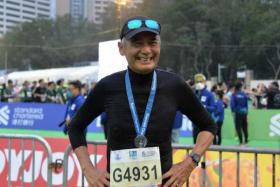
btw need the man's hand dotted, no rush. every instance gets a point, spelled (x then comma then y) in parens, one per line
(179, 173)
(96, 177)
(67, 121)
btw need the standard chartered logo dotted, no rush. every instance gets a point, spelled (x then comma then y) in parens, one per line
(275, 125)
(4, 115)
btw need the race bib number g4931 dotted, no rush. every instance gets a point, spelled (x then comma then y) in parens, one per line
(135, 167)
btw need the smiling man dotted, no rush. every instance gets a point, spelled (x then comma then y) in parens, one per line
(141, 103)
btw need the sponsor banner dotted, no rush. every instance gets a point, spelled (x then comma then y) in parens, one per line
(37, 116)
(262, 124)
(58, 146)
(31, 116)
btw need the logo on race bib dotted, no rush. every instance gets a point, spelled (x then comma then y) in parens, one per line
(148, 153)
(133, 154)
(4, 115)
(117, 156)
(275, 125)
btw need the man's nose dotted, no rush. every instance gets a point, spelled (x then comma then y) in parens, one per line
(146, 48)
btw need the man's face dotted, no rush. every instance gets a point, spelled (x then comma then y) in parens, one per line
(75, 91)
(200, 85)
(10, 85)
(142, 52)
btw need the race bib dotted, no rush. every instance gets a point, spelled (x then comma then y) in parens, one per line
(135, 167)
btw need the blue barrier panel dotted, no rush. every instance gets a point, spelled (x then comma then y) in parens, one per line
(31, 116)
(37, 116)
(46, 116)
(186, 129)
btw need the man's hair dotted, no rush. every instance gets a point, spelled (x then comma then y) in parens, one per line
(76, 84)
(238, 85)
(275, 83)
(50, 83)
(59, 81)
(124, 40)
(220, 94)
(10, 81)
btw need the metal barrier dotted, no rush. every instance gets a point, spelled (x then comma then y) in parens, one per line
(219, 149)
(34, 138)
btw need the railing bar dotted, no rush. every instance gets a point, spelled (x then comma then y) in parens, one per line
(65, 165)
(188, 179)
(220, 169)
(273, 170)
(256, 170)
(204, 171)
(33, 161)
(22, 163)
(10, 160)
(237, 170)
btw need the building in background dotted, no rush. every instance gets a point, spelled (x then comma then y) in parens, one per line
(97, 7)
(89, 9)
(78, 9)
(14, 12)
(62, 7)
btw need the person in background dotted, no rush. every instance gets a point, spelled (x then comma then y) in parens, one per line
(3, 87)
(176, 127)
(25, 93)
(85, 90)
(261, 96)
(191, 83)
(92, 85)
(51, 93)
(219, 116)
(239, 106)
(205, 97)
(9, 93)
(273, 96)
(60, 91)
(40, 93)
(74, 103)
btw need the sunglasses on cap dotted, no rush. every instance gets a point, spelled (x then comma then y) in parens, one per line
(138, 23)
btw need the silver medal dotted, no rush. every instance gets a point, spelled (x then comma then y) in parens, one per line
(140, 141)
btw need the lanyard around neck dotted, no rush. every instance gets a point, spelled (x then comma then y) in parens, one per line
(132, 105)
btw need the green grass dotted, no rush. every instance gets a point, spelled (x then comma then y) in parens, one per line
(100, 136)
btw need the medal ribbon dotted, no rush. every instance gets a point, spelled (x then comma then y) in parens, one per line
(132, 105)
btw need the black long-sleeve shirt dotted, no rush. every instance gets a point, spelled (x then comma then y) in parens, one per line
(109, 96)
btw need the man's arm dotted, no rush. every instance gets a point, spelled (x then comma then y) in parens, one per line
(93, 175)
(179, 173)
(92, 107)
(189, 105)
(204, 140)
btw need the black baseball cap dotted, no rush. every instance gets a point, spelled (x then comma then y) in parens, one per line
(137, 24)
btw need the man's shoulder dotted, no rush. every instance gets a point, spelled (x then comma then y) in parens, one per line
(207, 92)
(112, 78)
(167, 76)
(166, 73)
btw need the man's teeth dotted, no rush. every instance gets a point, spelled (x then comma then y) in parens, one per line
(145, 59)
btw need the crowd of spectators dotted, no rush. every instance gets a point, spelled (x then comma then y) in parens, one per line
(39, 91)
(58, 92)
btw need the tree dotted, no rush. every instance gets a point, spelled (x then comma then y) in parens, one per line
(45, 43)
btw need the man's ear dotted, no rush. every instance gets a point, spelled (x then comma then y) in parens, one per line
(121, 48)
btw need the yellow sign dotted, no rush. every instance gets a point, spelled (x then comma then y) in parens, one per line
(229, 170)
